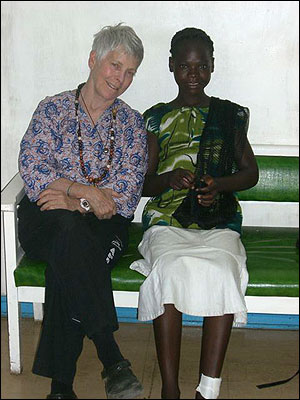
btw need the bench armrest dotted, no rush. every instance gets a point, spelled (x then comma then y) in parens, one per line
(12, 194)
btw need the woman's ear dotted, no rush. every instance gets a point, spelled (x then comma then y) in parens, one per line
(171, 64)
(92, 59)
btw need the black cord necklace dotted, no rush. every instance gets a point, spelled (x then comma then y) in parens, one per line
(91, 180)
(86, 107)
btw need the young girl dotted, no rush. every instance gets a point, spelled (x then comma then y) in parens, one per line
(194, 260)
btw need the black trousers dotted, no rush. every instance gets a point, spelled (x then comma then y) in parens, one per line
(80, 251)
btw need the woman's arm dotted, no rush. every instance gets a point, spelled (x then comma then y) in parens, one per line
(60, 194)
(155, 184)
(128, 177)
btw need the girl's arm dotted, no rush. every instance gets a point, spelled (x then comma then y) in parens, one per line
(155, 184)
(246, 177)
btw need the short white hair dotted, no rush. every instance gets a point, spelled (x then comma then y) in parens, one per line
(110, 38)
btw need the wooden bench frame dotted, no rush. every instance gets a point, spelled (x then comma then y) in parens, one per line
(10, 198)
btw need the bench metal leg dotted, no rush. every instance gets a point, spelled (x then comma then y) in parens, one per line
(14, 339)
(13, 312)
(38, 311)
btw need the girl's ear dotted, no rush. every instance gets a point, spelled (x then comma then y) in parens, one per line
(213, 65)
(171, 64)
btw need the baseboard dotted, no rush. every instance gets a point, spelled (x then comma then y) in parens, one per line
(129, 314)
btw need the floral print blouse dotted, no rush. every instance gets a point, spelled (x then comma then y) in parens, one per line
(49, 149)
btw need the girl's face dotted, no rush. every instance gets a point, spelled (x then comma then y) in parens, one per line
(192, 67)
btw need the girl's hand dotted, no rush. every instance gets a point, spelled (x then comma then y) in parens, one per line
(180, 178)
(207, 195)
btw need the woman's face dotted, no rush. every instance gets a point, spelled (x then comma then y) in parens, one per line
(113, 74)
(192, 67)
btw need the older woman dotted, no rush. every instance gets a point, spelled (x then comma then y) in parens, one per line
(83, 159)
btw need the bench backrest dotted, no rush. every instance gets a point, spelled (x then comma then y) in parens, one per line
(278, 180)
(274, 201)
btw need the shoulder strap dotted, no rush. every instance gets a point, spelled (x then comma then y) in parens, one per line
(216, 147)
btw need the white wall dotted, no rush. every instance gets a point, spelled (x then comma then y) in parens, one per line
(45, 47)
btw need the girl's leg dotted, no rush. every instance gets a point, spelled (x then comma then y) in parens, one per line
(216, 334)
(167, 333)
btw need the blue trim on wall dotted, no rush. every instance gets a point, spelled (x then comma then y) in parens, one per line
(126, 314)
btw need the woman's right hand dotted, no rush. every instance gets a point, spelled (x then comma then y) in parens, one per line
(102, 202)
(180, 178)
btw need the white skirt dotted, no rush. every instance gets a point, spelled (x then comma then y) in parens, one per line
(201, 272)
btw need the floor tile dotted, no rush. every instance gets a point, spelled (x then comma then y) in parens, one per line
(253, 357)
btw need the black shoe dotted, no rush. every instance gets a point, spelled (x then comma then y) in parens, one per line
(120, 381)
(71, 395)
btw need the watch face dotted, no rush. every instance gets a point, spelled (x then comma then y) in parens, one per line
(85, 204)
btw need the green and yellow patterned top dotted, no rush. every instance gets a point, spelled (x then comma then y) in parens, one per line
(178, 131)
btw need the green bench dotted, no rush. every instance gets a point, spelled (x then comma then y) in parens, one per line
(272, 260)
(272, 254)
(271, 251)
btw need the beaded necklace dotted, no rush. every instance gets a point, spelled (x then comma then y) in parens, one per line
(94, 181)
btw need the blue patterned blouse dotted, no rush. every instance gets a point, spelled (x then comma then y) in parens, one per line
(49, 149)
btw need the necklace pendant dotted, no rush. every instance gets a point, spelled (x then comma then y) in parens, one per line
(106, 150)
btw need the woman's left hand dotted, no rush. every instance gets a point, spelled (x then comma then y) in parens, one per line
(51, 199)
(207, 195)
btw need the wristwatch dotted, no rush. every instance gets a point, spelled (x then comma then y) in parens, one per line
(85, 205)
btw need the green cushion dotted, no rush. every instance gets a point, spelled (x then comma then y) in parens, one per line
(32, 273)
(273, 261)
(278, 180)
(124, 278)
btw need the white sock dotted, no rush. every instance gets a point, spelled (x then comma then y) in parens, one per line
(209, 387)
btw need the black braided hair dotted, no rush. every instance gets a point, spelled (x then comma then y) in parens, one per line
(190, 33)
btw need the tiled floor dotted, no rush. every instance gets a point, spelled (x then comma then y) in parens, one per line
(253, 357)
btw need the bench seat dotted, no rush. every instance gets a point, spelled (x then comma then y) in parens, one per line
(272, 260)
